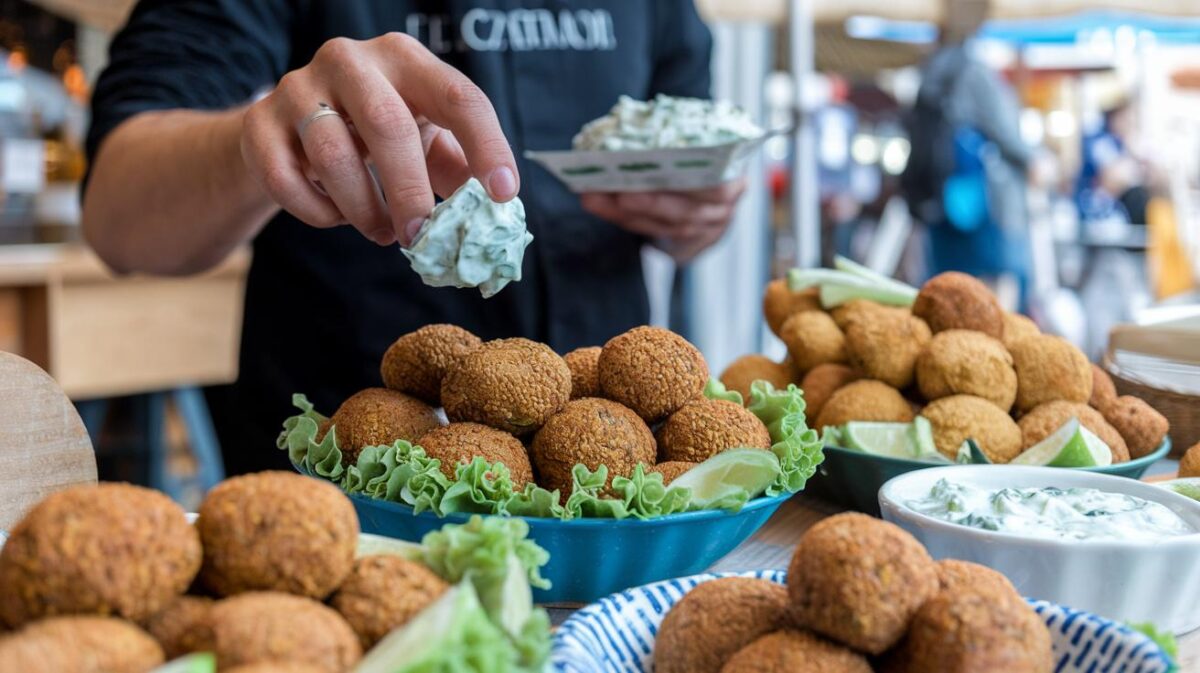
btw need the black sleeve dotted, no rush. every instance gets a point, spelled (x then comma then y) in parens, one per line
(199, 54)
(683, 54)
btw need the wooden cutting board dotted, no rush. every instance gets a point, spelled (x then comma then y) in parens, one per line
(43, 444)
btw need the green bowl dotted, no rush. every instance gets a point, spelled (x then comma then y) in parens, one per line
(851, 479)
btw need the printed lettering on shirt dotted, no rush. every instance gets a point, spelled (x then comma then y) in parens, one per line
(515, 30)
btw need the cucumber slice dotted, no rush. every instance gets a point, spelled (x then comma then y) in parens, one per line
(850, 266)
(836, 294)
(799, 279)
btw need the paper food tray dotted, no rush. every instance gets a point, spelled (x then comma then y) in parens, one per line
(649, 170)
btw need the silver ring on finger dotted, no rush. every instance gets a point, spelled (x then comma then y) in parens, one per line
(323, 110)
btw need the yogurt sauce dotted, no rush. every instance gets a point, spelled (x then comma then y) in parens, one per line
(1054, 513)
(666, 121)
(471, 241)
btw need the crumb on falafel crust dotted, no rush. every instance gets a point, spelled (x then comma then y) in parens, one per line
(276, 531)
(821, 382)
(958, 418)
(379, 417)
(858, 580)
(953, 300)
(958, 576)
(105, 549)
(514, 385)
(703, 428)
(781, 303)
(594, 432)
(269, 626)
(416, 363)
(789, 650)
(1141, 426)
(886, 347)
(461, 442)
(383, 593)
(813, 338)
(653, 371)
(585, 376)
(716, 619)
(80, 643)
(967, 362)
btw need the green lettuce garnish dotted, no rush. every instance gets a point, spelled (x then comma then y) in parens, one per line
(715, 390)
(1164, 639)
(404, 473)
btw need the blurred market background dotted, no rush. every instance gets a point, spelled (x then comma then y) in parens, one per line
(1100, 152)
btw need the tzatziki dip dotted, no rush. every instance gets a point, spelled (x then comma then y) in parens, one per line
(1053, 513)
(666, 122)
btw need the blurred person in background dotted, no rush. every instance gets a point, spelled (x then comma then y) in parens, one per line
(222, 122)
(1112, 178)
(965, 178)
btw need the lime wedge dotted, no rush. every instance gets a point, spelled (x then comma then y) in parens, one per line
(376, 545)
(969, 453)
(1188, 486)
(963, 457)
(920, 434)
(202, 662)
(1072, 445)
(881, 439)
(728, 472)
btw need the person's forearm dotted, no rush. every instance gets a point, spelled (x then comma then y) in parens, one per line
(170, 194)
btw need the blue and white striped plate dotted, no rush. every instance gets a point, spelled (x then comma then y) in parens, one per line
(616, 634)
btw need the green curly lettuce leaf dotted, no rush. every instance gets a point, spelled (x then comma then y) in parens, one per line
(1164, 639)
(797, 446)
(642, 495)
(299, 437)
(495, 555)
(715, 390)
(536, 501)
(453, 635)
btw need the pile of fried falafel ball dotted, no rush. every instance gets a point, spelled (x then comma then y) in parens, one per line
(861, 595)
(517, 402)
(956, 358)
(112, 578)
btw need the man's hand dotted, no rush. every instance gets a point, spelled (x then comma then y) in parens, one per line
(682, 224)
(425, 127)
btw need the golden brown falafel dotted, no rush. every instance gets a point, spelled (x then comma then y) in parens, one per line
(791, 650)
(953, 300)
(812, 338)
(1044, 419)
(715, 620)
(379, 417)
(383, 593)
(958, 418)
(977, 631)
(857, 310)
(1104, 391)
(593, 432)
(821, 382)
(885, 347)
(182, 627)
(859, 580)
(1138, 423)
(652, 371)
(461, 442)
(417, 362)
(276, 531)
(781, 303)
(1189, 464)
(268, 626)
(510, 384)
(704, 428)
(585, 375)
(865, 400)
(750, 368)
(106, 549)
(1050, 368)
(964, 362)
(1017, 327)
(961, 576)
(79, 644)
(671, 469)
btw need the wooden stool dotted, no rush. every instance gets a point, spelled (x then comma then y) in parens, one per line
(43, 444)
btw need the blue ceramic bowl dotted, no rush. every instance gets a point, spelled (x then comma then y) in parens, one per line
(590, 558)
(852, 479)
(616, 634)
